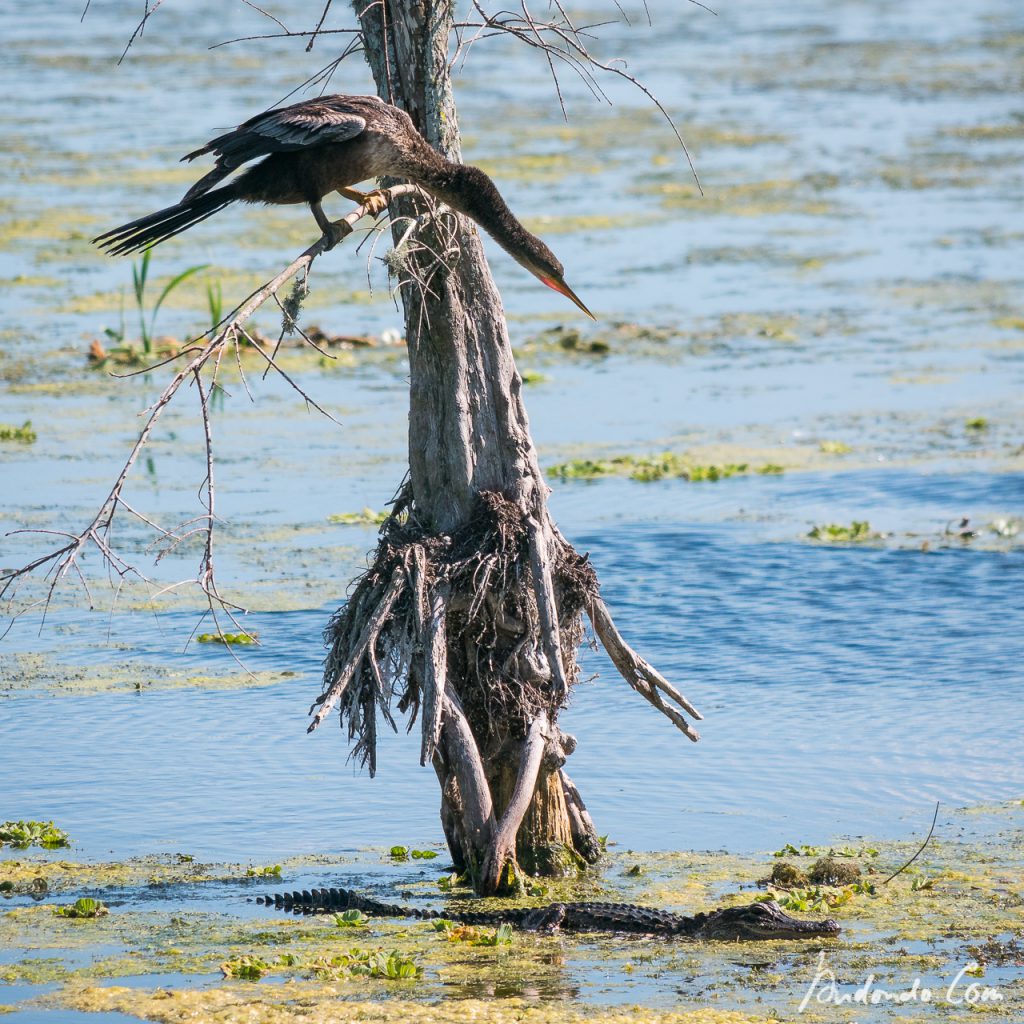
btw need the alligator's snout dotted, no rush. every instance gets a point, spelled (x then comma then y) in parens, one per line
(765, 920)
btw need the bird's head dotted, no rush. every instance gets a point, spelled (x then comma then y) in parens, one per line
(471, 191)
(544, 265)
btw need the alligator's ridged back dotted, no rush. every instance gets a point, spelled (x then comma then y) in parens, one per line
(578, 917)
(764, 920)
(624, 917)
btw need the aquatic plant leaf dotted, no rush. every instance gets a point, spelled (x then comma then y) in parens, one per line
(22, 834)
(245, 968)
(228, 638)
(350, 919)
(83, 908)
(24, 433)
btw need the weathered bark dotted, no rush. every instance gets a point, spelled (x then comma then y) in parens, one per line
(469, 432)
(471, 613)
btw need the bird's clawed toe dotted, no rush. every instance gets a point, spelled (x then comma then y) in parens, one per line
(376, 202)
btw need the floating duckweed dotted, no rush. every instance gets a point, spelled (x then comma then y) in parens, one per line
(789, 850)
(454, 932)
(23, 834)
(502, 937)
(650, 468)
(270, 871)
(533, 377)
(583, 469)
(404, 853)
(24, 433)
(814, 900)
(856, 532)
(835, 448)
(1010, 323)
(228, 638)
(368, 517)
(984, 132)
(246, 968)
(83, 908)
(569, 339)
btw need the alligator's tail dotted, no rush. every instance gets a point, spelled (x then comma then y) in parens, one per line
(327, 901)
(313, 901)
(158, 227)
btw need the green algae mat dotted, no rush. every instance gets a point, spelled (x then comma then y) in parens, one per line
(181, 941)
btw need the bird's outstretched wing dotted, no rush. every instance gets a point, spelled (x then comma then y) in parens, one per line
(283, 130)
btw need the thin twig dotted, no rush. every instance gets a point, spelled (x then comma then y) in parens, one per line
(927, 838)
(64, 560)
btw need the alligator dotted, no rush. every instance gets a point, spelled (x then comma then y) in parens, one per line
(764, 920)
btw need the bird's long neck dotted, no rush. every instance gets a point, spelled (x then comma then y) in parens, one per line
(470, 191)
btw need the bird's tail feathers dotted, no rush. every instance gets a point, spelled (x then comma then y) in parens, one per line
(207, 181)
(158, 227)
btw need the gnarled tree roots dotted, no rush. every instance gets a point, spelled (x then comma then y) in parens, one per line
(476, 634)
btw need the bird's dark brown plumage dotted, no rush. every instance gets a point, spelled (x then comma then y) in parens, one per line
(310, 149)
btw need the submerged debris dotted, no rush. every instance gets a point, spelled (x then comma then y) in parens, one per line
(831, 871)
(786, 876)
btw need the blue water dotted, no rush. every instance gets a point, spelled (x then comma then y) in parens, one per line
(853, 275)
(844, 689)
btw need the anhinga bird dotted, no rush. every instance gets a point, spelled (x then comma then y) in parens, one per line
(325, 145)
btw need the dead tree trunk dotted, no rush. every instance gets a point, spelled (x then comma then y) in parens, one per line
(471, 613)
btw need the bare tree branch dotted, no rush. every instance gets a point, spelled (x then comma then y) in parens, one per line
(640, 674)
(369, 635)
(201, 353)
(148, 13)
(559, 39)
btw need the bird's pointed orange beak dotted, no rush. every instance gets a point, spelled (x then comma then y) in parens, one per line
(564, 289)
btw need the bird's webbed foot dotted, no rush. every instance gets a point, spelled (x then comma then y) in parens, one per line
(375, 201)
(334, 230)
